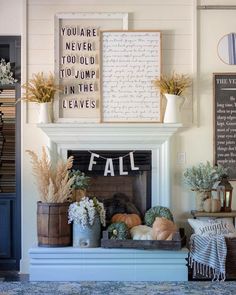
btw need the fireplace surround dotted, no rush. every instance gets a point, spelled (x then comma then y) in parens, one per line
(134, 186)
(154, 137)
(76, 264)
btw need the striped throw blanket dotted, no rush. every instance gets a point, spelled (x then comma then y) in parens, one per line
(208, 255)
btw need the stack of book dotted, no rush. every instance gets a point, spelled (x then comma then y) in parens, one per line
(7, 140)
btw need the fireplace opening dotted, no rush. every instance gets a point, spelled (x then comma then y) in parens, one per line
(119, 193)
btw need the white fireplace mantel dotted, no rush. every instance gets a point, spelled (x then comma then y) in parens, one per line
(121, 136)
(66, 264)
(136, 133)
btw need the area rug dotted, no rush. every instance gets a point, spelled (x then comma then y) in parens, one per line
(118, 288)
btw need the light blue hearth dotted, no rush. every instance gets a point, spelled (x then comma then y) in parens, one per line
(99, 264)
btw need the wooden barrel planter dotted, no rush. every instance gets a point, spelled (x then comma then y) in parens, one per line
(52, 225)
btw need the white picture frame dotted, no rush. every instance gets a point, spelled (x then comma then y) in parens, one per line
(101, 21)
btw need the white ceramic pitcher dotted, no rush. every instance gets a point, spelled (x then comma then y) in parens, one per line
(173, 108)
(45, 113)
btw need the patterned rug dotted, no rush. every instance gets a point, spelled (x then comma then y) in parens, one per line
(118, 288)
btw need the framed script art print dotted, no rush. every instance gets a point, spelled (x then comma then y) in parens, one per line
(225, 121)
(130, 60)
(77, 63)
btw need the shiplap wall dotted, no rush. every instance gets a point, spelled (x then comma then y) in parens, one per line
(174, 18)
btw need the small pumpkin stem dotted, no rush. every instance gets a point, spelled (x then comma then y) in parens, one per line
(114, 232)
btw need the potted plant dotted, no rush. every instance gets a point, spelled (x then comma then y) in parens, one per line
(87, 216)
(172, 88)
(41, 89)
(79, 185)
(54, 186)
(201, 178)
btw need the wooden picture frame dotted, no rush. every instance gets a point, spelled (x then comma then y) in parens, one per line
(77, 63)
(130, 60)
(224, 121)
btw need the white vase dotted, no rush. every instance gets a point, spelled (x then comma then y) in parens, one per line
(45, 112)
(173, 108)
(200, 198)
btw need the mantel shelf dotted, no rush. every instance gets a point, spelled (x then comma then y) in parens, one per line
(115, 132)
(196, 214)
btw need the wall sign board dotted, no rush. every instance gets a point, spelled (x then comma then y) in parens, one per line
(131, 60)
(77, 63)
(225, 121)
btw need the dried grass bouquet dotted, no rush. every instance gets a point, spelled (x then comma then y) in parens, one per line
(53, 182)
(175, 84)
(40, 88)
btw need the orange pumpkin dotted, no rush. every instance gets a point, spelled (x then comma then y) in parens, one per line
(163, 229)
(130, 220)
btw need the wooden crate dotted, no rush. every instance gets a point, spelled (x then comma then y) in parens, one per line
(230, 264)
(178, 241)
(231, 258)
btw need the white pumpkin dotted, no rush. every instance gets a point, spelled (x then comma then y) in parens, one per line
(212, 205)
(141, 232)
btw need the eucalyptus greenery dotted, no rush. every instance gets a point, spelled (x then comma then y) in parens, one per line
(81, 181)
(6, 76)
(174, 84)
(203, 176)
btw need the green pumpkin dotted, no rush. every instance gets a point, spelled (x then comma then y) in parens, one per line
(157, 211)
(118, 231)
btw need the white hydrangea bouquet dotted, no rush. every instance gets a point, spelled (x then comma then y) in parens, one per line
(85, 211)
(6, 76)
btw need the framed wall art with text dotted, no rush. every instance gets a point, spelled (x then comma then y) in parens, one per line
(130, 61)
(225, 121)
(77, 63)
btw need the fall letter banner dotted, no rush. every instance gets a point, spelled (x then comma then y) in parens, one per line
(109, 167)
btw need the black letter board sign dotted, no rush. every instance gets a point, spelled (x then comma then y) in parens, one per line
(225, 121)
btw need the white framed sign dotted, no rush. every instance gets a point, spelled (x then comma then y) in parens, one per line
(77, 63)
(131, 60)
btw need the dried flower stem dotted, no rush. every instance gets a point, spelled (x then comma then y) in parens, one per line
(174, 84)
(54, 184)
(40, 89)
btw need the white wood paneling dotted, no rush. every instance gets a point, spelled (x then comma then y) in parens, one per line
(41, 42)
(40, 57)
(138, 12)
(180, 27)
(41, 27)
(174, 41)
(169, 41)
(172, 17)
(176, 57)
(109, 2)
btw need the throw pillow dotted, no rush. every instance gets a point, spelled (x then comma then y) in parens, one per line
(212, 227)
